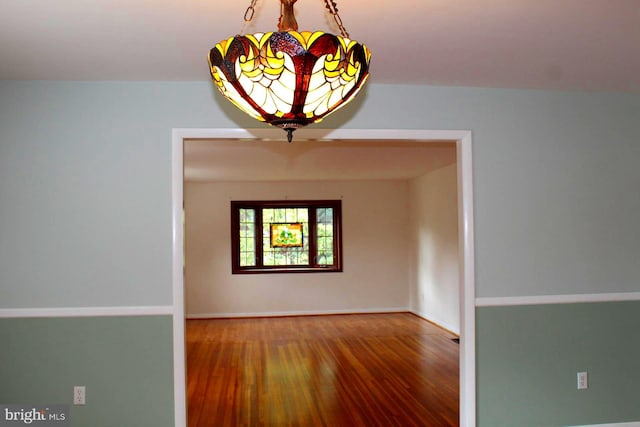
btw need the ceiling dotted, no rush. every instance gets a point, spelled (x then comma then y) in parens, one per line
(589, 45)
(305, 160)
(553, 44)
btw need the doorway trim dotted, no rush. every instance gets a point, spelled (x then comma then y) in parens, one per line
(463, 142)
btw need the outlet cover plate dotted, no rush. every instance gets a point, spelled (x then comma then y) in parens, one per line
(583, 381)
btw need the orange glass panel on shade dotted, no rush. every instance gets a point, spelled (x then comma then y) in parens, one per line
(288, 78)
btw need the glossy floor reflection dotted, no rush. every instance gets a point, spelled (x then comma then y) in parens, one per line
(340, 370)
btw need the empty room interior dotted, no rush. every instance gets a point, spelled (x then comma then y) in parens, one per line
(399, 280)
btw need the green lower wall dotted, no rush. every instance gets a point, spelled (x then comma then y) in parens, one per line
(528, 357)
(126, 364)
(527, 360)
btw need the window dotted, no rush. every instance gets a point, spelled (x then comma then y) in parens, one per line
(286, 236)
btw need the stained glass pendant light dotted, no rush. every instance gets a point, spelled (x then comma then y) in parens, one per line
(288, 78)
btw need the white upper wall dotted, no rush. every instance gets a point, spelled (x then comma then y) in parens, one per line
(375, 251)
(85, 184)
(435, 260)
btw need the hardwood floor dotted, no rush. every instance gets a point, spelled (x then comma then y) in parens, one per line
(339, 370)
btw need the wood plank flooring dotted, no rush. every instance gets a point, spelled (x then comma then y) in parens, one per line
(340, 370)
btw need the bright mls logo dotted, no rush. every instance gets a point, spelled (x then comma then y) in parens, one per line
(34, 415)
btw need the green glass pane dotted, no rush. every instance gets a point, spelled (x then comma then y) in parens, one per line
(285, 256)
(325, 258)
(305, 235)
(328, 230)
(321, 244)
(247, 215)
(251, 244)
(325, 215)
(267, 215)
(247, 259)
(329, 216)
(325, 244)
(247, 230)
(266, 243)
(268, 258)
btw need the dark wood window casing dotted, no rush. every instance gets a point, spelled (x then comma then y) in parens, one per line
(251, 258)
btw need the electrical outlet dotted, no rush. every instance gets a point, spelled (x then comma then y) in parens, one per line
(583, 381)
(79, 395)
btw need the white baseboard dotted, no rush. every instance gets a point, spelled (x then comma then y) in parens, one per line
(631, 424)
(298, 313)
(557, 299)
(8, 313)
(437, 322)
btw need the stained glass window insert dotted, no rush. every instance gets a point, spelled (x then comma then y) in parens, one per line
(286, 235)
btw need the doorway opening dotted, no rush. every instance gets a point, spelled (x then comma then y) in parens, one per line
(462, 141)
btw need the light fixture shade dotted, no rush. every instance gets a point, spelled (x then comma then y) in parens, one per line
(288, 78)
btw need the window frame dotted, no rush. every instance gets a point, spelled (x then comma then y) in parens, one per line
(312, 267)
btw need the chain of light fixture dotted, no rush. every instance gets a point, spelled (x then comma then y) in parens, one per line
(331, 6)
(248, 15)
